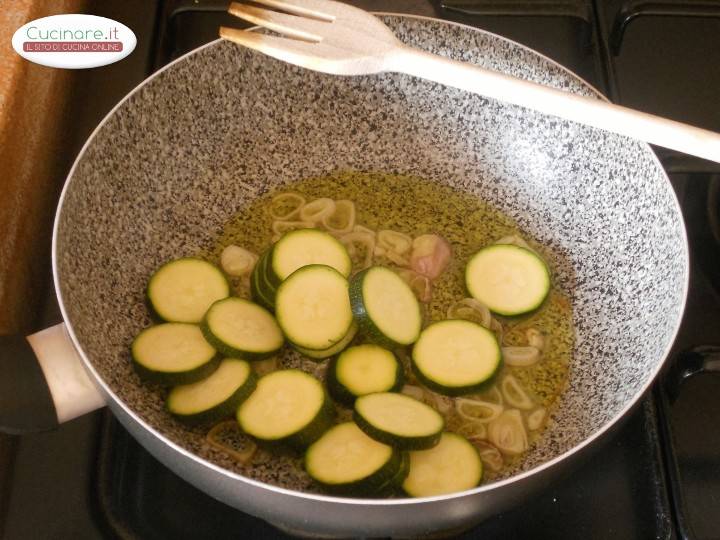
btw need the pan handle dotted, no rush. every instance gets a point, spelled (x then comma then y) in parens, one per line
(43, 382)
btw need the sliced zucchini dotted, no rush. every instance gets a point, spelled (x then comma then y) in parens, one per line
(215, 397)
(257, 296)
(239, 328)
(288, 406)
(313, 308)
(361, 370)
(510, 280)
(385, 307)
(346, 461)
(453, 465)
(267, 286)
(398, 420)
(456, 357)
(260, 292)
(183, 290)
(303, 247)
(172, 354)
(315, 354)
(395, 483)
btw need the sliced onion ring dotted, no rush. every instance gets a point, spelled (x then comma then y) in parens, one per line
(470, 309)
(242, 456)
(395, 241)
(421, 285)
(507, 433)
(317, 210)
(413, 391)
(294, 200)
(514, 394)
(490, 455)
(353, 242)
(475, 410)
(535, 338)
(342, 220)
(536, 418)
(520, 356)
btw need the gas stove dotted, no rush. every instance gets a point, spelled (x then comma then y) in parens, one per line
(658, 476)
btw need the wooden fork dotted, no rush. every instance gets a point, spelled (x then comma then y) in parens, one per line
(335, 38)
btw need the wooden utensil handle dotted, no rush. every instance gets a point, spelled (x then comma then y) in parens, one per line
(590, 111)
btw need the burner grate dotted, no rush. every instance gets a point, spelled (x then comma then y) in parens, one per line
(619, 491)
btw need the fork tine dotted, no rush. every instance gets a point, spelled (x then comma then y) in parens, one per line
(316, 9)
(293, 51)
(290, 25)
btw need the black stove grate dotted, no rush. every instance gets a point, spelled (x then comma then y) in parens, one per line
(619, 492)
(689, 404)
(634, 9)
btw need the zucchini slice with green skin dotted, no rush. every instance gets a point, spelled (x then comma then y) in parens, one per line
(398, 420)
(182, 290)
(172, 354)
(456, 357)
(239, 328)
(266, 286)
(259, 291)
(385, 307)
(346, 461)
(361, 370)
(453, 465)
(510, 280)
(395, 483)
(304, 247)
(216, 397)
(288, 406)
(320, 355)
(257, 296)
(313, 308)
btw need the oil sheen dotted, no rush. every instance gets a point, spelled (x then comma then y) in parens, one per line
(416, 206)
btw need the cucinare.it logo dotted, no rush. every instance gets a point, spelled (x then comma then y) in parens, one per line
(74, 41)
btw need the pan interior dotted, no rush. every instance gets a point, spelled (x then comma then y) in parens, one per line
(190, 148)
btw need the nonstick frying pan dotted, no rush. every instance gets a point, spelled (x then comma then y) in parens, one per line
(199, 140)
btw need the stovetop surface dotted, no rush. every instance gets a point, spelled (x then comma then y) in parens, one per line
(658, 476)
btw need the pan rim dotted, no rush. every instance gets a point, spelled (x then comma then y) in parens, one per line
(235, 477)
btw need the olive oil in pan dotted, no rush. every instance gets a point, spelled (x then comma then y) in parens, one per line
(415, 206)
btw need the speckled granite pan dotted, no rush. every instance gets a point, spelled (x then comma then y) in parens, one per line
(190, 147)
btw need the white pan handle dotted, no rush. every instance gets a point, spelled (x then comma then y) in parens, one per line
(72, 391)
(43, 382)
